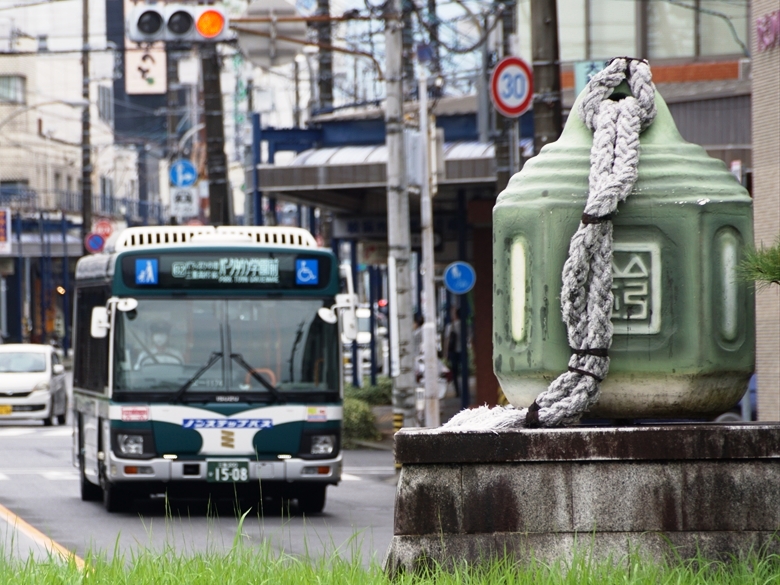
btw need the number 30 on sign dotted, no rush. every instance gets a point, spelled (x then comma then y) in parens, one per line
(511, 87)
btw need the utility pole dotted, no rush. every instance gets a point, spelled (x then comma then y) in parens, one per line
(216, 162)
(297, 107)
(505, 136)
(86, 147)
(324, 59)
(433, 31)
(548, 119)
(398, 237)
(172, 99)
(408, 48)
(432, 415)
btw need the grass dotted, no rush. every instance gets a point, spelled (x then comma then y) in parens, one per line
(252, 565)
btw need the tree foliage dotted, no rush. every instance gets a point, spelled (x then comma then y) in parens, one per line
(762, 265)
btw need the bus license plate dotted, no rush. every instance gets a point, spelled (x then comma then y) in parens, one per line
(227, 471)
(6, 409)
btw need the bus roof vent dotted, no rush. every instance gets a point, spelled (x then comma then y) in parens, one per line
(272, 235)
(142, 237)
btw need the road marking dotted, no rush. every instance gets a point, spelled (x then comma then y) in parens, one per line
(16, 432)
(4, 477)
(53, 474)
(37, 433)
(64, 432)
(39, 537)
(59, 475)
(370, 470)
(348, 477)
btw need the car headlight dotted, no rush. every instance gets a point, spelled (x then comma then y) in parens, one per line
(41, 386)
(323, 444)
(130, 444)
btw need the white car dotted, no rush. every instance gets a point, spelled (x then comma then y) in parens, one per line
(32, 384)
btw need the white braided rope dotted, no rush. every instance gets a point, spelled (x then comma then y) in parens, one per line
(586, 294)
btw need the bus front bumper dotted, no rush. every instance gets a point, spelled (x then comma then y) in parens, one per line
(167, 470)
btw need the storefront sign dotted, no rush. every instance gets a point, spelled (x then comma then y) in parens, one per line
(768, 31)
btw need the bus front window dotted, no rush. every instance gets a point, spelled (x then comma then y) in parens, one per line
(161, 345)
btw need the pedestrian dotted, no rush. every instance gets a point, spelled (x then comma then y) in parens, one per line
(452, 333)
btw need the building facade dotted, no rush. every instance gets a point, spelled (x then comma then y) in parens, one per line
(766, 194)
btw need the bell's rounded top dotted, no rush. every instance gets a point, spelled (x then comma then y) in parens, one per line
(668, 165)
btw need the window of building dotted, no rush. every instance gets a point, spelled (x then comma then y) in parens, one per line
(106, 186)
(13, 89)
(658, 29)
(106, 103)
(57, 181)
(69, 183)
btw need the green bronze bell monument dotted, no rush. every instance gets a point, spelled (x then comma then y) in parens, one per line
(683, 341)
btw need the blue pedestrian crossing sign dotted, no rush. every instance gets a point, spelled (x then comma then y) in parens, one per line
(459, 277)
(183, 173)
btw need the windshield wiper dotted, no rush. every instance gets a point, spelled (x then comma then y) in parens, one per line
(215, 357)
(266, 384)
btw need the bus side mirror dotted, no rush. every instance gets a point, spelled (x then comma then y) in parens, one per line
(98, 328)
(347, 302)
(348, 305)
(328, 315)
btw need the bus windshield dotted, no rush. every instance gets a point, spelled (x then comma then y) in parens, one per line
(163, 344)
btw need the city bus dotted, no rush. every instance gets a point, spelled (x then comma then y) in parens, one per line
(208, 364)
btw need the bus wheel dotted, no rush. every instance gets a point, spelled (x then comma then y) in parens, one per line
(115, 499)
(89, 491)
(311, 499)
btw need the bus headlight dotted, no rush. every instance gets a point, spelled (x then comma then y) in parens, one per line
(323, 444)
(132, 445)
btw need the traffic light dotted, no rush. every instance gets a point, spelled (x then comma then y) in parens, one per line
(178, 22)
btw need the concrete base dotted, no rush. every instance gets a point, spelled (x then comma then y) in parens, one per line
(680, 489)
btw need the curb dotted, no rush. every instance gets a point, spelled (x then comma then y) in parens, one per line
(373, 445)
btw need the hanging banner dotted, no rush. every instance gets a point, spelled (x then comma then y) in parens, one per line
(146, 65)
(5, 231)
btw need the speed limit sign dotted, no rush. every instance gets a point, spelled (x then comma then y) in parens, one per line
(512, 87)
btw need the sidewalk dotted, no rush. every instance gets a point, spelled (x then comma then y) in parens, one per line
(449, 407)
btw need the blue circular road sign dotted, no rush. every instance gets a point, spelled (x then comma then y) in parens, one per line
(459, 277)
(183, 173)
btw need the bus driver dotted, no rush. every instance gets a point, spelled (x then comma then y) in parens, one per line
(159, 352)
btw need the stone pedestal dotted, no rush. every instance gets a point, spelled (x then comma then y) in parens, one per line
(608, 491)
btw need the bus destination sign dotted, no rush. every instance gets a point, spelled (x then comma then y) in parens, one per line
(231, 270)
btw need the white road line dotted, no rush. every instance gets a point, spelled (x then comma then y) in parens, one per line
(348, 477)
(36, 433)
(59, 475)
(16, 432)
(370, 470)
(24, 471)
(4, 477)
(64, 432)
